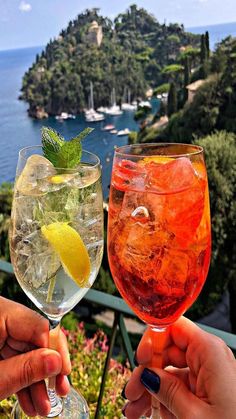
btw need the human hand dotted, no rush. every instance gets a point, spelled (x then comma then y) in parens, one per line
(201, 382)
(25, 360)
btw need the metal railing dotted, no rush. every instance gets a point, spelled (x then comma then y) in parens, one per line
(120, 309)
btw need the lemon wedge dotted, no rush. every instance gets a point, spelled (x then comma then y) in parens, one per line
(71, 250)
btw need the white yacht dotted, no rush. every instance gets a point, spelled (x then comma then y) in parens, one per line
(122, 132)
(90, 114)
(114, 110)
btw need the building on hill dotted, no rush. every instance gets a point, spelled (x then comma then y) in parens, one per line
(192, 89)
(95, 34)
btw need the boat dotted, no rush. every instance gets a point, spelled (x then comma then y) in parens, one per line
(128, 106)
(94, 116)
(122, 132)
(114, 131)
(108, 127)
(64, 115)
(90, 114)
(102, 109)
(144, 104)
(114, 110)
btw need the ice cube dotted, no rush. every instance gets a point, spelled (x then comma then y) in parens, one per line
(35, 172)
(36, 261)
(170, 177)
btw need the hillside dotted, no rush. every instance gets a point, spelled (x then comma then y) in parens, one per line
(130, 54)
(213, 106)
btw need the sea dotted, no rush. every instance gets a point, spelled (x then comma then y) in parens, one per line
(216, 32)
(18, 130)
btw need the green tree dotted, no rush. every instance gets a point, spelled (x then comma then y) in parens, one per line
(203, 53)
(172, 100)
(207, 41)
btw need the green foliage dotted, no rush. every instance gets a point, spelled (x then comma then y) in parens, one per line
(172, 100)
(63, 154)
(88, 358)
(134, 49)
(163, 88)
(172, 69)
(220, 155)
(6, 193)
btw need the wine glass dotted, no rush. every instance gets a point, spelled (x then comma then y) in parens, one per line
(159, 234)
(56, 244)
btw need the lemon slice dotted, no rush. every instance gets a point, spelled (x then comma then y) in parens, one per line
(58, 179)
(71, 250)
(156, 159)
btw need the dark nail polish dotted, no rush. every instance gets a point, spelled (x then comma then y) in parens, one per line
(150, 380)
(135, 360)
(123, 392)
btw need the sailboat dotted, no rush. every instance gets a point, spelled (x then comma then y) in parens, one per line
(114, 110)
(127, 106)
(90, 114)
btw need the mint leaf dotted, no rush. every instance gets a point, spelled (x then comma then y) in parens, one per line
(52, 142)
(70, 153)
(61, 153)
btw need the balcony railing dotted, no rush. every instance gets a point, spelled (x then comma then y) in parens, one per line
(120, 309)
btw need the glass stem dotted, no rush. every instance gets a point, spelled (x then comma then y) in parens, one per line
(158, 336)
(55, 401)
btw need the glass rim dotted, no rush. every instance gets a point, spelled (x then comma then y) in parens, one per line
(121, 150)
(38, 146)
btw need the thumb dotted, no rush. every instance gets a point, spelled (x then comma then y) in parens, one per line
(23, 370)
(172, 393)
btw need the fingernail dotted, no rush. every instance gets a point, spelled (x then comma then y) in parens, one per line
(123, 392)
(51, 365)
(135, 359)
(150, 380)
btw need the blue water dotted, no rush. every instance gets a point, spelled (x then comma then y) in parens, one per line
(18, 130)
(216, 32)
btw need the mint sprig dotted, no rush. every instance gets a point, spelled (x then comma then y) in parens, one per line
(61, 153)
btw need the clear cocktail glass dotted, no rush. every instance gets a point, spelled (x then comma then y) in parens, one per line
(56, 244)
(159, 234)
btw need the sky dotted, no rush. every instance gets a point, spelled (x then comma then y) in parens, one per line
(25, 23)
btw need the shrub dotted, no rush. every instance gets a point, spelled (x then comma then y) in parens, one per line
(220, 154)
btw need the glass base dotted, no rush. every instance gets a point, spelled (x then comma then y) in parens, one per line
(74, 406)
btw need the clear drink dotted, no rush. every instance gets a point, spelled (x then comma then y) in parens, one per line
(68, 199)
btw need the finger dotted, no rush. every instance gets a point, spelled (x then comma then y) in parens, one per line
(166, 414)
(64, 352)
(20, 346)
(7, 352)
(22, 324)
(174, 356)
(182, 374)
(172, 393)
(62, 385)
(144, 352)
(134, 388)
(133, 410)
(23, 370)
(39, 397)
(26, 403)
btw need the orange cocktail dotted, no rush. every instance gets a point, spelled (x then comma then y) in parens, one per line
(159, 236)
